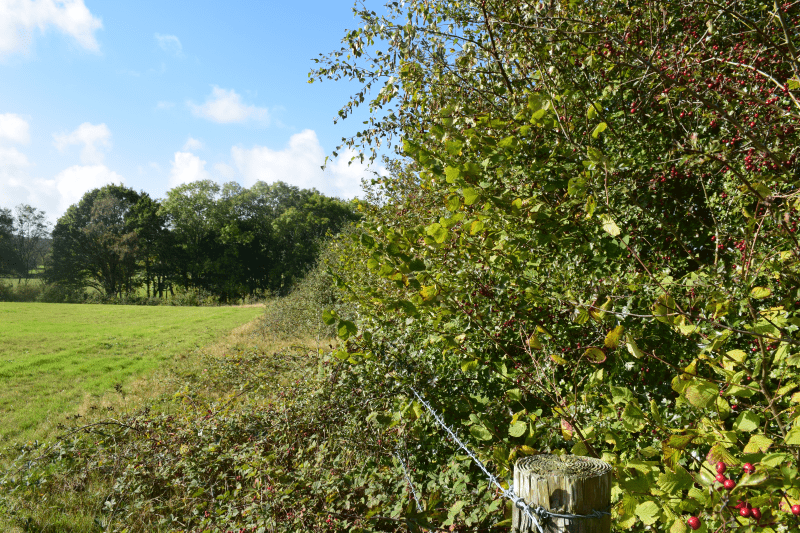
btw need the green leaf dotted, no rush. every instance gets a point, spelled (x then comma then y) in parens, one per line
(429, 292)
(679, 442)
(452, 203)
(648, 512)
(346, 329)
(416, 265)
(514, 394)
(470, 195)
(760, 292)
(600, 128)
(508, 143)
(758, 443)
(609, 225)
(480, 432)
(452, 174)
(469, 366)
(592, 110)
(367, 241)
(793, 84)
(719, 453)
(702, 393)
(674, 482)
(476, 227)
(518, 428)
(793, 436)
(453, 147)
(775, 459)
(752, 480)
(329, 317)
(747, 421)
(437, 231)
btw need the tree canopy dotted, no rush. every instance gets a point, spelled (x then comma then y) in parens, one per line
(224, 239)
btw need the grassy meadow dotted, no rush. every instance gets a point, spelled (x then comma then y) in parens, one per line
(62, 359)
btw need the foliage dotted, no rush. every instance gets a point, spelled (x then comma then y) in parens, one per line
(6, 247)
(95, 242)
(262, 433)
(30, 240)
(590, 246)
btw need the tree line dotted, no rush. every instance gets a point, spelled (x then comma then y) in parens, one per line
(227, 240)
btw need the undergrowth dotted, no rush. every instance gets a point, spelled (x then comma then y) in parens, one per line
(263, 432)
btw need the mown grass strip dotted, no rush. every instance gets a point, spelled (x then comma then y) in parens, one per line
(55, 357)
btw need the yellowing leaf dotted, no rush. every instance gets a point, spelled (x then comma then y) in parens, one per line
(757, 443)
(533, 342)
(632, 347)
(595, 355)
(558, 359)
(613, 337)
(760, 292)
(701, 393)
(609, 225)
(566, 430)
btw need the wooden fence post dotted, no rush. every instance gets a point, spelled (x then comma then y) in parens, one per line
(566, 485)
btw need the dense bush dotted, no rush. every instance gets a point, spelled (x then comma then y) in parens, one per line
(590, 246)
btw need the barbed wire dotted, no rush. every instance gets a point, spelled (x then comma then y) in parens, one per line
(408, 480)
(537, 515)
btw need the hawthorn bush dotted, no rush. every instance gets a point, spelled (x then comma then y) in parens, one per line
(587, 244)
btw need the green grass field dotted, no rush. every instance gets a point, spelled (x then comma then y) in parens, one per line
(56, 357)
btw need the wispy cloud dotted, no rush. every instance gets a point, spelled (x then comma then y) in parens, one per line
(170, 44)
(14, 128)
(163, 105)
(19, 19)
(95, 138)
(225, 106)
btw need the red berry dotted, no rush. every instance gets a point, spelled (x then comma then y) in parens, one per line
(694, 522)
(721, 467)
(740, 504)
(721, 478)
(755, 512)
(729, 484)
(796, 510)
(749, 468)
(745, 512)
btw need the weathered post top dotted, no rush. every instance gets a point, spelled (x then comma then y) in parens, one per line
(573, 494)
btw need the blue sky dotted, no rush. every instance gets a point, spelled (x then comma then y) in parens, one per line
(157, 93)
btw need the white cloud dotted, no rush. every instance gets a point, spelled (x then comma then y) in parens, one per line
(18, 18)
(95, 138)
(192, 144)
(186, 168)
(299, 164)
(14, 128)
(12, 158)
(225, 106)
(163, 105)
(54, 195)
(170, 44)
(69, 185)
